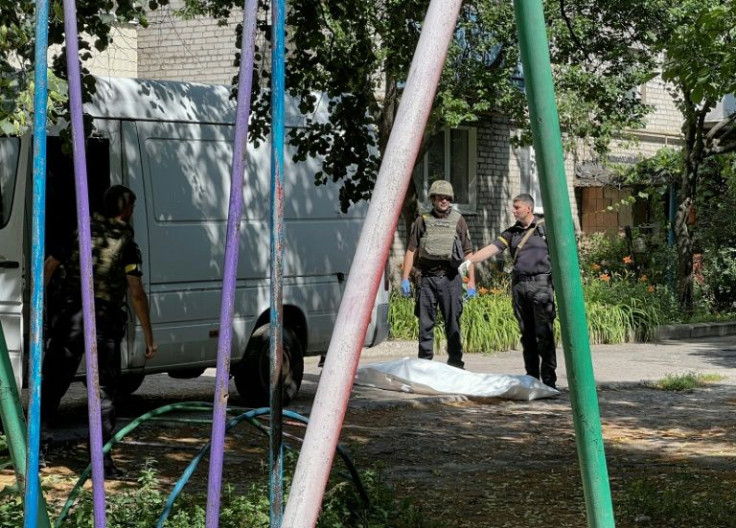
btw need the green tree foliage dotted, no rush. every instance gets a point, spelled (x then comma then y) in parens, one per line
(358, 54)
(696, 38)
(95, 18)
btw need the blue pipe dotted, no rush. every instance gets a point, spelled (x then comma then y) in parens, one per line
(40, 96)
(74, 77)
(235, 213)
(195, 407)
(189, 406)
(276, 483)
(250, 416)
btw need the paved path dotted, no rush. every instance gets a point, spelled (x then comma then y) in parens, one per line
(613, 365)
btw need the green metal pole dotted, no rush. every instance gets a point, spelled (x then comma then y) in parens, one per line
(563, 250)
(11, 414)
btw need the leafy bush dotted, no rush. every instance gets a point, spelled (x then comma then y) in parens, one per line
(718, 286)
(140, 507)
(11, 508)
(620, 308)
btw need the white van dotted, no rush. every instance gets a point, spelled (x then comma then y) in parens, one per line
(172, 144)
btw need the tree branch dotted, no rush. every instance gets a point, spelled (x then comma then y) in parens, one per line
(729, 121)
(570, 30)
(721, 149)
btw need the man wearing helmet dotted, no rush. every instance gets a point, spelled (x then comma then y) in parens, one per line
(439, 241)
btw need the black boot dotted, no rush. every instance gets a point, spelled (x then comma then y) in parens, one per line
(111, 470)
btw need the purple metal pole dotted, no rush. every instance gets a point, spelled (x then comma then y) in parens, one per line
(333, 392)
(232, 241)
(276, 331)
(85, 262)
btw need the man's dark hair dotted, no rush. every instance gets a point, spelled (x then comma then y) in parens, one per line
(525, 198)
(116, 199)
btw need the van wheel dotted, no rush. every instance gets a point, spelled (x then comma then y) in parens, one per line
(252, 374)
(129, 383)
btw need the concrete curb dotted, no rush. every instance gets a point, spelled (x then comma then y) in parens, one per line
(696, 330)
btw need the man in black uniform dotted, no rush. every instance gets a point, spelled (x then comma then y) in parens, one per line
(116, 261)
(440, 239)
(532, 290)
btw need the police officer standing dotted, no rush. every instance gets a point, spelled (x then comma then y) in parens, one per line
(116, 261)
(439, 241)
(532, 290)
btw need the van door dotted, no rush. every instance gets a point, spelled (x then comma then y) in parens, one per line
(13, 168)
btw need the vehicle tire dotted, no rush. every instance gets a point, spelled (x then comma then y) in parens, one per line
(252, 374)
(129, 383)
(186, 373)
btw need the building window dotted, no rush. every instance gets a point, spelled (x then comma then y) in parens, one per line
(451, 156)
(530, 177)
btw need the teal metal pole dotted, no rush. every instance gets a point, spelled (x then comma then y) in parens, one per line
(33, 493)
(566, 269)
(11, 414)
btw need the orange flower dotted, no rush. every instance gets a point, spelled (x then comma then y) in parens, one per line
(650, 288)
(495, 291)
(628, 260)
(596, 267)
(605, 277)
(643, 278)
(482, 290)
(466, 279)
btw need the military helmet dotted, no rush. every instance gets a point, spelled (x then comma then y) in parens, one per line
(442, 187)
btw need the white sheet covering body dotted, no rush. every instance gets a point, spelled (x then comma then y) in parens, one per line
(421, 376)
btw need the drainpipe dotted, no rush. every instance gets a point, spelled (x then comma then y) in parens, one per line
(330, 403)
(672, 211)
(565, 265)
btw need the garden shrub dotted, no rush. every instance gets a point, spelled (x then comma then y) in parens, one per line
(140, 506)
(621, 307)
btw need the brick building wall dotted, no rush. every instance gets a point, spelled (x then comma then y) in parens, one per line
(120, 59)
(666, 120)
(197, 50)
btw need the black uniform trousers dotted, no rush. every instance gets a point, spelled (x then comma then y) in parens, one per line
(65, 349)
(534, 308)
(445, 291)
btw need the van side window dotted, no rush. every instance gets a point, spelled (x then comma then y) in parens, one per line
(61, 204)
(9, 153)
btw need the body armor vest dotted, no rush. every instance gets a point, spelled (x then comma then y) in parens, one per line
(439, 237)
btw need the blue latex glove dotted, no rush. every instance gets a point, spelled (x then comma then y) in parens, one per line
(406, 288)
(471, 293)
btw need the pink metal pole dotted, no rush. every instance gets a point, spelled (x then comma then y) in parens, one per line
(336, 382)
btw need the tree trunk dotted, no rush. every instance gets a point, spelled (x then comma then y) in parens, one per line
(684, 244)
(693, 155)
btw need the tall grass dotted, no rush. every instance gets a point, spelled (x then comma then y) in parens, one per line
(616, 313)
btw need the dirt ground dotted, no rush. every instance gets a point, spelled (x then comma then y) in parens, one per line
(476, 464)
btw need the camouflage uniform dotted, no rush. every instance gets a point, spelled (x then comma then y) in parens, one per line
(114, 256)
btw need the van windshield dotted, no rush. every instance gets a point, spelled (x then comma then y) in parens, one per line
(9, 152)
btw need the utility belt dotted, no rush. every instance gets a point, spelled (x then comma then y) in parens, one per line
(539, 277)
